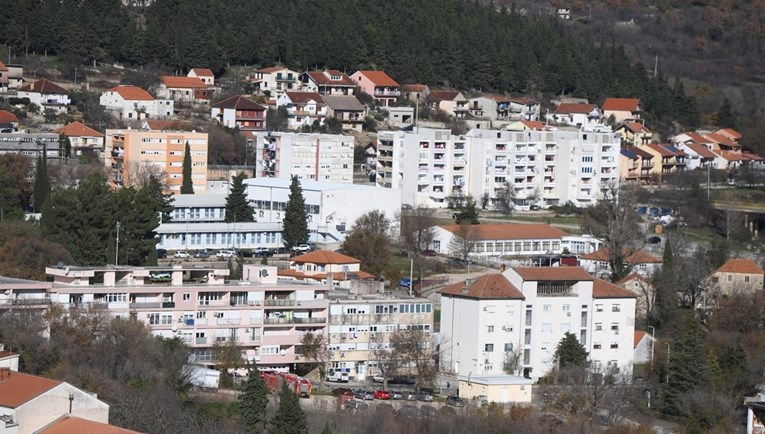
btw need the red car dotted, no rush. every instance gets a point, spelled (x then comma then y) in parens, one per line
(382, 394)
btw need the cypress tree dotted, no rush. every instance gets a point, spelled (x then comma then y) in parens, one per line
(252, 403)
(289, 417)
(42, 184)
(688, 365)
(295, 227)
(238, 208)
(187, 187)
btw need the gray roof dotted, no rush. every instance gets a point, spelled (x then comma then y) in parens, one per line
(199, 200)
(305, 184)
(343, 103)
(221, 227)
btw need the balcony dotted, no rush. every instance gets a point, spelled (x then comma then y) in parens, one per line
(282, 302)
(276, 321)
(150, 305)
(391, 92)
(200, 341)
(229, 321)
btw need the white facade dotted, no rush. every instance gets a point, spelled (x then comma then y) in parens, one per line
(544, 167)
(302, 111)
(479, 329)
(135, 109)
(275, 80)
(309, 156)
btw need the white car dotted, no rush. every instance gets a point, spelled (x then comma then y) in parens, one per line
(225, 254)
(181, 254)
(301, 248)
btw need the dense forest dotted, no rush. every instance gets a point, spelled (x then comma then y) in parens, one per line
(448, 43)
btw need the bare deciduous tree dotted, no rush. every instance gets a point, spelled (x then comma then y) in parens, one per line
(140, 173)
(417, 229)
(464, 240)
(505, 200)
(414, 349)
(386, 363)
(313, 347)
(511, 361)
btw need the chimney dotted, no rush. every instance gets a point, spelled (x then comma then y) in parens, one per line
(5, 373)
(466, 288)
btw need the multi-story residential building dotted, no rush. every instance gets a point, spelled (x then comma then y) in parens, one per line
(47, 95)
(198, 220)
(698, 155)
(635, 134)
(328, 267)
(309, 156)
(621, 109)
(640, 262)
(274, 80)
(303, 108)
(3, 77)
(129, 152)
(379, 85)
(32, 145)
(526, 312)
(23, 295)
(83, 138)
(131, 103)
(635, 165)
(327, 82)
(452, 103)
(239, 112)
(415, 92)
(499, 110)
(348, 109)
(9, 123)
(668, 159)
(360, 327)
(576, 114)
(184, 89)
(264, 316)
(204, 74)
(545, 167)
(737, 275)
(722, 143)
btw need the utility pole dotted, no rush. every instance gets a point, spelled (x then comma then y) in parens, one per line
(411, 275)
(653, 341)
(667, 363)
(117, 249)
(709, 178)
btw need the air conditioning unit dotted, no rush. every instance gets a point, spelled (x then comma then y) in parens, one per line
(372, 334)
(568, 313)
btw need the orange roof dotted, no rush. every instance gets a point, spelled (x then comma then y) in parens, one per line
(8, 117)
(732, 155)
(565, 108)
(534, 125)
(325, 257)
(638, 257)
(740, 265)
(44, 86)
(414, 88)
(76, 425)
(722, 140)
(634, 276)
(132, 93)
(269, 69)
(603, 289)
(304, 97)
(553, 273)
(698, 138)
(289, 272)
(203, 72)
(488, 286)
(443, 95)
(379, 78)
(3, 67)
(183, 82)
(6, 354)
(701, 150)
(730, 132)
(507, 231)
(239, 102)
(523, 100)
(639, 335)
(78, 129)
(621, 104)
(324, 78)
(637, 127)
(752, 156)
(17, 388)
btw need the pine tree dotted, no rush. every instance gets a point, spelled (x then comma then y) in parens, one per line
(570, 352)
(469, 212)
(42, 183)
(289, 417)
(164, 201)
(187, 187)
(252, 402)
(238, 208)
(688, 365)
(726, 118)
(295, 226)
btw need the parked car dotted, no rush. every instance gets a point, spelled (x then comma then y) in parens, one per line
(654, 240)
(364, 395)
(455, 401)
(302, 248)
(339, 376)
(246, 253)
(534, 207)
(406, 206)
(355, 405)
(202, 254)
(424, 396)
(404, 283)
(396, 395)
(410, 396)
(342, 391)
(161, 253)
(262, 251)
(429, 252)
(378, 379)
(225, 254)
(381, 394)
(182, 254)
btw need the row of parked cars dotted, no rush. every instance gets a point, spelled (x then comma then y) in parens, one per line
(258, 252)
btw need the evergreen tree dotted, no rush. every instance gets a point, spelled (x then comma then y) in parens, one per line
(668, 258)
(295, 226)
(469, 212)
(726, 118)
(665, 299)
(238, 208)
(163, 201)
(289, 417)
(252, 402)
(42, 183)
(570, 352)
(187, 187)
(688, 365)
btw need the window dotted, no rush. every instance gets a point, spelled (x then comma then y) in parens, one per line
(730, 278)
(489, 348)
(614, 346)
(566, 308)
(490, 329)
(584, 319)
(508, 347)
(167, 319)
(153, 318)
(596, 346)
(547, 307)
(598, 326)
(527, 337)
(746, 279)
(615, 328)
(546, 327)
(598, 308)
(583, 337)
(526, 356)
(616, 308)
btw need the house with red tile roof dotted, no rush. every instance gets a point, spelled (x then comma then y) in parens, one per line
(77, 425)
(415, 92)
(527, 311)
(641, 262)
(621, 109)
(34, 403)
(667, 158)
(46, 94)
(635, 134)
(501, 110)
(737, 275)
(379, 85)
(82, 138)
(303, 108)
(723, 144)
(635, 164)
(3, 77)
(348, 109)
(497, 239)
(327, 82)
(8, 122)
(274, 80)
(240, 112)
(204, 74)
(451, 102)
(326, 267)
(643, 289)
(184, 89)
(644, 345)
(132, 103)
(576, 114)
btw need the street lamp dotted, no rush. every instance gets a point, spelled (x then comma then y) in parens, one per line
(117, 249)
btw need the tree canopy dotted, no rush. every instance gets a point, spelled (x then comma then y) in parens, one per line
(187, 186)
(238, 208)
(369, 241)
(295, 227)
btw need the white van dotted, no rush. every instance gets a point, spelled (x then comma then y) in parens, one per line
(338, 376)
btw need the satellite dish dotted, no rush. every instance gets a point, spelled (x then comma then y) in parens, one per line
(174, 328)
(283, 352)
(66, 271)
(60, 264)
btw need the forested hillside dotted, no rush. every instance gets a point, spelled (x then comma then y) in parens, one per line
(452, 43)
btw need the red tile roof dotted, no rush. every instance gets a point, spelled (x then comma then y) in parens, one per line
(325, 257)
(3, 67)
(621, 104)
(565, 108)
(17, 388)
(633, 276)
(443, 95)
(701, 150)
(641, 153)
(132, 93)
(523, 100)
(498, 98)
(740, 265)
(269, 69)
(414, 88)
(753, 157)
(304, 97)
(7, 354)
(76, 425)
(203, 72)
(698, 138)
(603, 289)
(379, 78)
(506, 231)
(183, 82)
(239, 103)
(639, 257)
(534, 125)
(637, 127)
(730, 132)
(169, 125)
(44, 86)
(8, 117)
(488, 286)
(553, 273)
(322, 78)
(732, 155)
(639, 335)
(78, 129)
(722, 140)
(661, 150)
(289, 272)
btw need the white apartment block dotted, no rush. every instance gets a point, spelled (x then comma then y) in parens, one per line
(199, 305)
(527, 311)
(309, 156)
(545, 167)
(360, 326)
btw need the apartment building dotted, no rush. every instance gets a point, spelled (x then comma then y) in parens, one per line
(360, 327)
(525, 312)
(543, 167)
(199, 305)
(32, 145)
(131, 152)
(82, 138)
(303, 108)
(309, 156)
(274, 80)
(239, 112)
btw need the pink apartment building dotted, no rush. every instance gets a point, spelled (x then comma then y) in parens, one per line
(379, 85)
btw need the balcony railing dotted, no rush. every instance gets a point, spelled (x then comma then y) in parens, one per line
(294, 320)
(150, 305)
(283, 302)
(229, 321)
